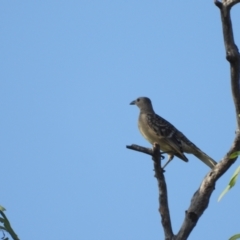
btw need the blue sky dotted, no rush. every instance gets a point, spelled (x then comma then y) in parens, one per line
(69, 70)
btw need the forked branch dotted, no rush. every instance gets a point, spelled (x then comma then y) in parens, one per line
(162, 186)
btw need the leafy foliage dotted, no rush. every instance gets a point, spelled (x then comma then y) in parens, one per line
(231, 183)
(234, 177)
(235, 237)
(6, 226)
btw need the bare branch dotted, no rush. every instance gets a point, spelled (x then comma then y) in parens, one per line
(227, 3)
(201, 197)
(135, 147)
(218, 4)
(163, 197)
(230, 3)
(162, 187)
(232, 53)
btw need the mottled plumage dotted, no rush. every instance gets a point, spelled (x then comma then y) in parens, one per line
(158, 130)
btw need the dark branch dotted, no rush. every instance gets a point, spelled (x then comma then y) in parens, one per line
(201, 197)
(218, 4)
(230, 3)
(135, 147)
(232, 53)
(145, 150)
(227, 3)
(162, 187)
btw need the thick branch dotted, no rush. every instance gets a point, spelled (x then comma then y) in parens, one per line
(232, 53)
(200, 199)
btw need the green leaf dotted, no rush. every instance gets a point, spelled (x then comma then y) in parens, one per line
(234, 177)
(223, 193)
(234, 155)
(8, 227)
(231, 183)
(2, 208)
(3, 228)
(234, 237)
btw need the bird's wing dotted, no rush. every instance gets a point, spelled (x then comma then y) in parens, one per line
(168, 133)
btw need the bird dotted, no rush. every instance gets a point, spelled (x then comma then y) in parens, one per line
(156, 129)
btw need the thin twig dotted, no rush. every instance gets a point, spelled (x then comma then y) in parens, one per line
(138, 148)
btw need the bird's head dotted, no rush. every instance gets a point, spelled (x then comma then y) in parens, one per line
(143, 103)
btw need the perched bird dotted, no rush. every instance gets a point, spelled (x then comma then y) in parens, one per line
(158, 130)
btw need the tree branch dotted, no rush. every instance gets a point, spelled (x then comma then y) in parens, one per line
(201, 197)
(162, 187)
(230, 3)
(232, 53)
(135, 147)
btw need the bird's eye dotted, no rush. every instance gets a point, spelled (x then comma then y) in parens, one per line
(138, 100)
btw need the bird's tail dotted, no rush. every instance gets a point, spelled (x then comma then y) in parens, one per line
(205, 158)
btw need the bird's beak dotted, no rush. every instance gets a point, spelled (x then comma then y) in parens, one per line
(133, 102)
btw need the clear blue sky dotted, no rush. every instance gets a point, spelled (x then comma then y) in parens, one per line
(69, 70)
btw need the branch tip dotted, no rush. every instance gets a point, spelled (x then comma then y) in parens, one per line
(218, 4)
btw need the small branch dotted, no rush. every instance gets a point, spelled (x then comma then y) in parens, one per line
(227, 3)
(135, 147)
(232, 53)
(162, 187)
(230, 3)
(218, 4)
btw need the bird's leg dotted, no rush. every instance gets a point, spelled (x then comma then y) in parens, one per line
(170, 158)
